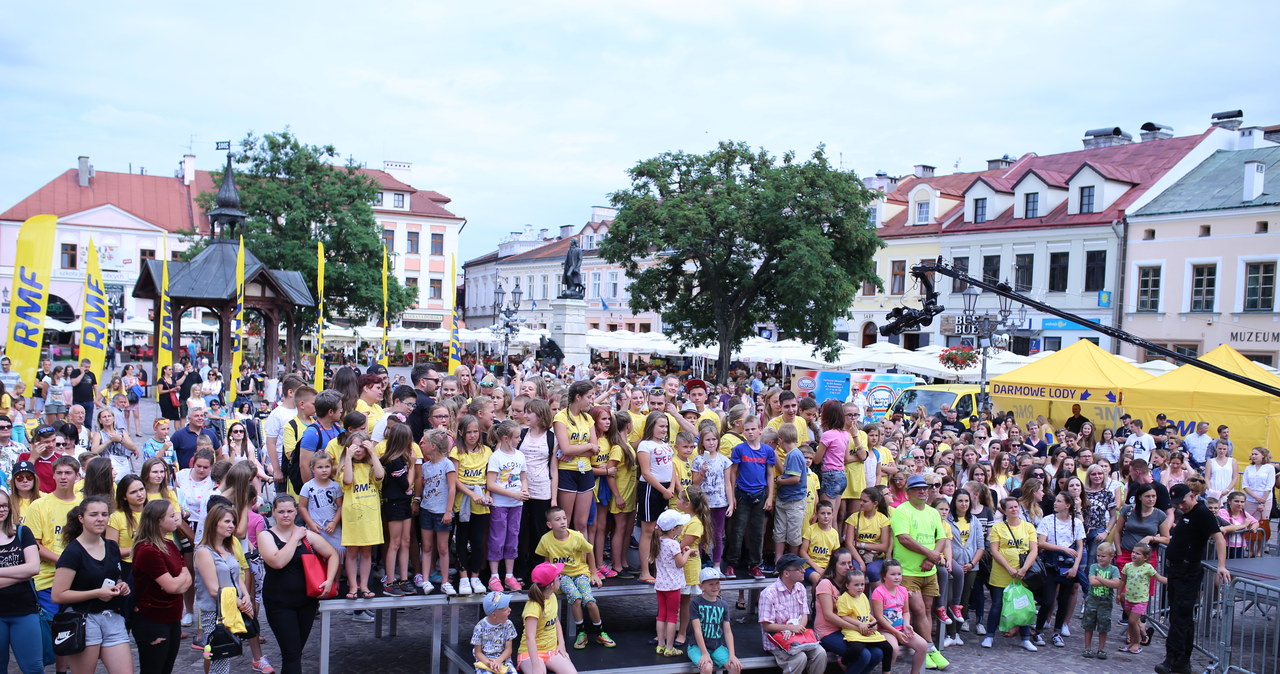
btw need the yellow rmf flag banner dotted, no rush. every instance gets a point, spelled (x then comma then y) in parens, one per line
(384, 360)
(164, 350)
(454, 358)
(94, 316)
(32, 277)
(237, 318)
(319, 381)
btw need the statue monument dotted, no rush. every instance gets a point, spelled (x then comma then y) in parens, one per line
(569, 311)
(571, 279)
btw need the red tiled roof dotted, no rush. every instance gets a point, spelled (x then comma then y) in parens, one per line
(488, 257)
(166, 203)
(1140, 164)
(554, 249)
(1050, 178)
(160, 200)
(953, 186)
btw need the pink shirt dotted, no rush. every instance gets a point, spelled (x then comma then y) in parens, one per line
(821, 626)
(670, 576)
(778, 605)
(837, 443)
(894, 603)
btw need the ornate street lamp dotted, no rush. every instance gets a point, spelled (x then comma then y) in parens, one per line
(506, 323)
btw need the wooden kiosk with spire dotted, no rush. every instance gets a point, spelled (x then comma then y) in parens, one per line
(209, 281)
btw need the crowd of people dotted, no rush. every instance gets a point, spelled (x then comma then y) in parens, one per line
(461, 483)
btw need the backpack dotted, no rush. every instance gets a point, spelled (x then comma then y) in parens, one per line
(551, 446)
(291, 465)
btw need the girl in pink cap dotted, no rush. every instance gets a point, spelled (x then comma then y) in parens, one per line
(542, 647)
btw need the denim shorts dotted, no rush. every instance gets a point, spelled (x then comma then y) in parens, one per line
(105, 629)
(833, 483)
(429, 521)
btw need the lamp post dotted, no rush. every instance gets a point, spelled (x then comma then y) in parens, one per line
(506, 323)
(986, 326)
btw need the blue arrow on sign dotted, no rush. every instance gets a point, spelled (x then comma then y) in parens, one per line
(1111, 396)
(1086, 395)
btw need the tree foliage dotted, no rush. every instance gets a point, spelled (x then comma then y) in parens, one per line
(295, 195)
(744, 239)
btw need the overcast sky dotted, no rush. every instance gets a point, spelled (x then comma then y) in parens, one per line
(532, 112)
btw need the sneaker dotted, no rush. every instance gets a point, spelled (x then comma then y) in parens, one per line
(957, 613)
(604, 640)
(513, 584)
(986, 643)
(1100, 654)
(980, 629)
(434, 577)
(187, 619)
(408, 588)
(964, 626)
(957, 641)
(1066, 630)
(1038, 639)
(477, 587)
(609, 572)
(464, 586)
(1088, 653)
(1124, 621)
(495, 585)
(1027, 645)
(769, 569)
(419, 580)
(757, 573)
(942, 615)
(362, 617)
(427, 587)
(1057, 641)
(728, 573)
(392, 589)
(934, 660)
(580, 642)
(263, 667)
(446, 588)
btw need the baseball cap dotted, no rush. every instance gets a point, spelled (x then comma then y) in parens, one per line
(1161, 417)
(670, 519)
(695, 383)
(710, 573)
(915, 481)
(1176, 494)
(376, 368)
(24, 467)
(496, 600)
(789, 560)
(546, 573)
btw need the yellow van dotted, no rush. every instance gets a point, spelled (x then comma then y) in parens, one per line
(963, 398)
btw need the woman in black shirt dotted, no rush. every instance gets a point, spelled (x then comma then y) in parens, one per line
(89, 579)
(19, 612)
(290, 612)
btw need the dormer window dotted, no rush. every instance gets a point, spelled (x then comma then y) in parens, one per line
(980, 210)
(589, 241)
(1086, 199)
(922, 212)
(1032, 205)
(398, 200)
(377, 199)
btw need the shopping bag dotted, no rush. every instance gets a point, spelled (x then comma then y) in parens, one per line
(1019, 607)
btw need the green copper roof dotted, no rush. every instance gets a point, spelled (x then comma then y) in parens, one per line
(1218, 184)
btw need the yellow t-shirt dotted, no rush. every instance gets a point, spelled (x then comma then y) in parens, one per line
(811, 487)
(45, 518)
(858, 609)
(709, 413)
(128, 533)
(821, 543)
(964, 527)
(625, 500)
(730, 440)
(867, 528)
(173, 498)
(22, 504)
(472, 469)
(637, 427)
(682, 473)
(693, 566)
(546, 638)
(579, 429)
(362, 507)
(571, 552)
(802, 428)
(1012, 542)
(855, 472)
(334, 450)
(372, 413)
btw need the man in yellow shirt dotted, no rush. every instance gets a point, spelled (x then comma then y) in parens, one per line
(46, 516)
(697, 392)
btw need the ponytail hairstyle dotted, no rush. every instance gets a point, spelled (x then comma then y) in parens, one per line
(737, 413)
(700, 511)
(578, 389)
(74, 528)
(617, 436)
(877, 497)
(830, 572)
(122, 502)
(99, 479)
(854, 574)
(149, 523)
(351, 421)
(505, 429)
(399, 441)
(438, 439)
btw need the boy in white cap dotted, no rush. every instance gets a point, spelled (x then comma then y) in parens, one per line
(494, 635)
(711, 639)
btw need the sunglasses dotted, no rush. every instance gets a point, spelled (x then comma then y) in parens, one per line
(61, 444)
(6, 427)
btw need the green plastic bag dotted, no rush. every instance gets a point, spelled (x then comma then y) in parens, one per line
(1019, 607)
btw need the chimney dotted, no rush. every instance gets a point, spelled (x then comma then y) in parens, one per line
(1152, 131)
(84, 171)
(603, 213)
(924, 170)
(1001, 163)
(400, 170)
(1252, 138)
(566, 231)
(880, 181)
(1105, 137)
(188, 169)
(1227, 119)
(1255, 174)
(542, 234)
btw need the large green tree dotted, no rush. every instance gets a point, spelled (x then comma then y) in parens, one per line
(297, 194)
(742, 239)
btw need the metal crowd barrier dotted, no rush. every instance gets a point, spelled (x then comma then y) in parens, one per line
(1241, 626)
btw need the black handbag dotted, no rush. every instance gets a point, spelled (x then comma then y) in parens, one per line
(68, 632)
(222, 642)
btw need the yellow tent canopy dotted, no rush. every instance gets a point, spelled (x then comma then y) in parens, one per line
(1081, 374)
(1189, 395)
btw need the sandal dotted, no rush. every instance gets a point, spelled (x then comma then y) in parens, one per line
(1146, 636)
(742, 604)
(353, 595)
(367, 594)
(671, 652)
